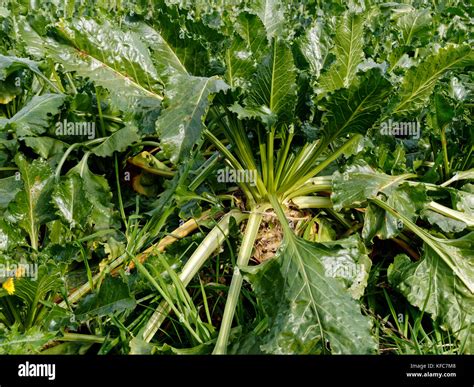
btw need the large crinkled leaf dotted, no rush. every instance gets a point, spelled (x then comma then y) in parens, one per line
(273, 90)
(181, 122)
(122, 51)
(113, 59)
(358, 182)
(98, 193)
(352, 265)
(246, 48)
(413, 24)
(252, 31)
(36, 116)
(271, 14)
(70, 199)
(419, 81)
(31, 207)
(113, 296)
(431, 285)
(189, 49)
(166, 60)
(348, 52)
(308, 310)
(356, 109)
(406, 199)
(117, 142)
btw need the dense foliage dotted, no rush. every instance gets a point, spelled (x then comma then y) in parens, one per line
(266, 176)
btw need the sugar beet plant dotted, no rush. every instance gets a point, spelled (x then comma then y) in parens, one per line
(261, 177)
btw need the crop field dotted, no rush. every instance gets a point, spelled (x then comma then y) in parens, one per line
(236, 177)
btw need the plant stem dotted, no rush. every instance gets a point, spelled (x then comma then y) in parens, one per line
(81, 338)
(312, 202)
(270, 167)
(283, 156)
(119, 191)
(245, 252)
(210, 243)
(431, 241)
(63, 160)
(249, 191)
(444, 146)
(287, 189)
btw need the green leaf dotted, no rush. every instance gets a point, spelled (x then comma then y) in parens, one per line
(314, 47)
(181, 122)
(273, 91)
(31, 290)
(18, 342)
(405, 199)
(189, 41)
(31, 207)
(35, 118)
(46, 147)
(11, 64)
(430, 285)
(70, 200)
(271, 14)
(8, 91)
(9, 187)
(165, 58)
(442, 113)
(115, 60)
(10, 236)
(351, 267)
(113, 296)
(252, 31)
(418, 83)
(117, 142)
(307, 309)
(414, 24)
(244, 52)
(462, 200)
(98, 193)
(348, 52)
(445, 223)
(355, 110)
(359, 182)
(457, 254)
